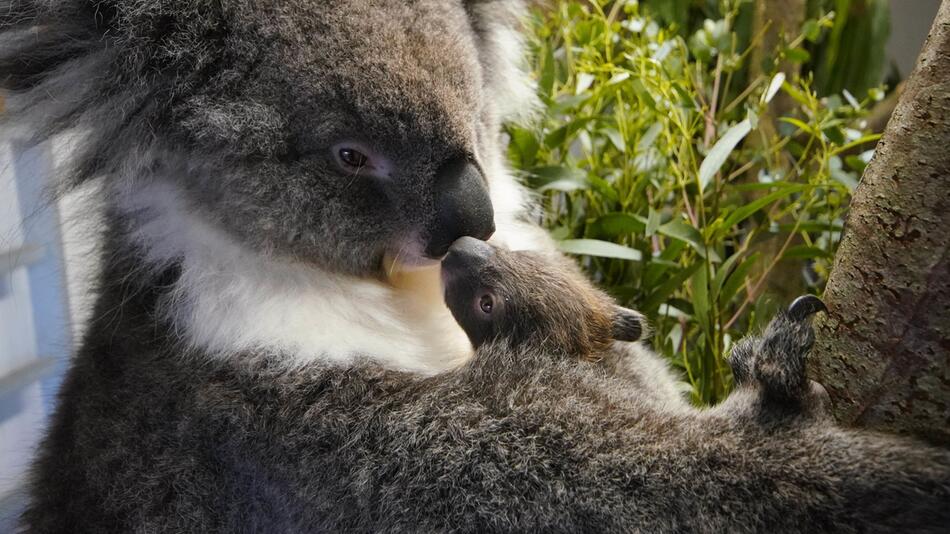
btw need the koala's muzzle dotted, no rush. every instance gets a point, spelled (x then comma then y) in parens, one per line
(463, 207)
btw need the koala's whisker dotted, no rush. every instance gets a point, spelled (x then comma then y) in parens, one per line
(353, 178)
(392, 265)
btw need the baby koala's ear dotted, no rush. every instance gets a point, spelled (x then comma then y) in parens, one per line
(628, 325)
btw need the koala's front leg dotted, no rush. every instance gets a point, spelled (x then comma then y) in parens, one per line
(774, 362)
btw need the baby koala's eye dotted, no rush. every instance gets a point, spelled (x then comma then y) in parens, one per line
(486, 303)
(350, 157)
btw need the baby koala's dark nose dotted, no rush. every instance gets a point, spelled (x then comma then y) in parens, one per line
(467, 253)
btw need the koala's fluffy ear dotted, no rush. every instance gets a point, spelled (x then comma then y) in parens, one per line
(628, 325)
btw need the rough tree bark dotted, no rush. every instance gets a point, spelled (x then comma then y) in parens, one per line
(883, 352)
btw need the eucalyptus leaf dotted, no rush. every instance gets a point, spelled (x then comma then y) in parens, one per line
(584, 81)
(774, 87)
(619, 224)
(616, 139)
(557, 178)
(596, 247)
(745, 211)
(737, 278)
(653, 222)
(720, 152)
(630, 145)
(679, 229)
(617, 78)
(647, 139)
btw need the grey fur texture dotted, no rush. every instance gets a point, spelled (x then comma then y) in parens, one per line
(239, 104)
(152, 437)
(242, 104)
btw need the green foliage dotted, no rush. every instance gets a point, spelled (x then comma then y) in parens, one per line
(849, 57)
(672, 183)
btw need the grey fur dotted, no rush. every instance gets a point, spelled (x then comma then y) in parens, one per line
(152, 437)
(241, 102)
(236, 102)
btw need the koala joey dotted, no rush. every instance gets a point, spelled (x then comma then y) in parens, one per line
(531, 304)
(541, 299)
(532, 298)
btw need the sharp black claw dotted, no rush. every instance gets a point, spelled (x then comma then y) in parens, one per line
(804, 306)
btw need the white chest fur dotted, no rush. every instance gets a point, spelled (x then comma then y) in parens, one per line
(230, 300)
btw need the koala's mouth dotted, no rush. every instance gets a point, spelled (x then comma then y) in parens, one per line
(408, 255)
(408, 268)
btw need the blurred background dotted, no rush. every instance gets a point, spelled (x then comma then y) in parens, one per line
(696, 155)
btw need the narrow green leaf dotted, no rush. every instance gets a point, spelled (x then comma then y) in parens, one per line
(673, 283)
(811, 30)
(619, 77)
(546, 81)
(747, 210)
(618, 224)
(722, 272)
(647, 139)
(835, 135)
(810, 226)
(720, 152)
(679, 229)
(798, 124)
(773, 88)
(700, 299)
(870, 138)
(653, 222)
(735, 281)
(616, 139)
(603, 187)
(797, 55)
(596, 247)
(558, 136)
(584, 81)
(557, 179)
(796, 95)
(643, 94)
(523, 147)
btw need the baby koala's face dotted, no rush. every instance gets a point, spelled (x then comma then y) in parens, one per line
(531, 297)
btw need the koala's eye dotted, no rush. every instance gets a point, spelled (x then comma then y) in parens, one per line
(356, 157)
(350, 157)
(486, 303)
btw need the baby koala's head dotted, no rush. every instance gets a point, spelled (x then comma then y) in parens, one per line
(532, 297)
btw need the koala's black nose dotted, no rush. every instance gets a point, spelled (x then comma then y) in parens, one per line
(463, 207)
(467, 253)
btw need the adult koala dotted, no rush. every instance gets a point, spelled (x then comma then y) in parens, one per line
(249, 367)
(269, 163)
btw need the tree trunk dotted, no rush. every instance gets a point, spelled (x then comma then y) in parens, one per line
(883, 352)
(778, 19)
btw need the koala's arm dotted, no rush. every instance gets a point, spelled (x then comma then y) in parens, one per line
(648, 374)
(510, 443)
(502, 447)
(769, 370)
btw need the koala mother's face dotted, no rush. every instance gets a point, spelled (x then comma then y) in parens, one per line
(337, 132)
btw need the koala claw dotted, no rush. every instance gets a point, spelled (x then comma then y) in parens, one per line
(775, 361)
(804, 306)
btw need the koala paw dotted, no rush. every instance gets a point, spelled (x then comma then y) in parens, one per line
(775, 361)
